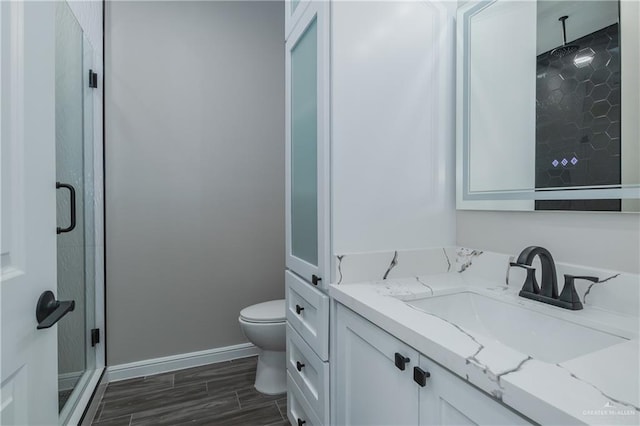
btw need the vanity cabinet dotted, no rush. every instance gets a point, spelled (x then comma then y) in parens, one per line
(372, 388)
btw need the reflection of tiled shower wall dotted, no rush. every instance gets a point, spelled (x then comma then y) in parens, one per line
(578, 120)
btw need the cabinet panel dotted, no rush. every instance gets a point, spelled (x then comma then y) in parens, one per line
(370, 389)
(310, 373)
(299, 411)
(392, 124)
(448, 400)
(307, 147)
(307, 312)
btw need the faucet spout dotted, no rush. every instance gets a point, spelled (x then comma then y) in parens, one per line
(549, 285)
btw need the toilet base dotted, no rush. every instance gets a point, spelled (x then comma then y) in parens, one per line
(271, 374)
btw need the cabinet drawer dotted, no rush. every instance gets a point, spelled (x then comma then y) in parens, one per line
(309, 372)
(299, 411)
(308, 313)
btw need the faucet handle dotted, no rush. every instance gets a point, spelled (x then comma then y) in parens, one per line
(581, 277)
(530, 284)
(521, 265)
(569, 293)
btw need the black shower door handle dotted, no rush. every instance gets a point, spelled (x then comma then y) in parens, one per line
(72, 206)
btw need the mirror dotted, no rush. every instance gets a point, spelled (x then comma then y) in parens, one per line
(543, 121)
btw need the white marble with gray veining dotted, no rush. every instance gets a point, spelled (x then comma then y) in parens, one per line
(601, 387)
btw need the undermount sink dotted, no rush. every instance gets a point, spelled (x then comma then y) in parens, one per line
(540, 336)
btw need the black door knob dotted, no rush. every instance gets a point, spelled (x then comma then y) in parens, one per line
(49, 310)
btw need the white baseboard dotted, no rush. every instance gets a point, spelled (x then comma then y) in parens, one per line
(178, 362)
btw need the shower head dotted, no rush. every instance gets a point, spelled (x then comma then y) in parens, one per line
(565, 49)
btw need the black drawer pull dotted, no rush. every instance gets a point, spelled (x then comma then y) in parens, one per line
(315, 279)
(420, 376)
(401, 361)
(299, 309)
(299, 365)
(301, 422)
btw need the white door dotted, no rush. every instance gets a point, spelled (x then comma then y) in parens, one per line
(372, 387)
(28, 363)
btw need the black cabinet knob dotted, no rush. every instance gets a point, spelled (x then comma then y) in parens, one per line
(401, 361)
(315, 279)
(420, 376)
(299, 365)
(301, 422)
(299, 309)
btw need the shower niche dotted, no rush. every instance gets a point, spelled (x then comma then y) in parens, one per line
(543, 122)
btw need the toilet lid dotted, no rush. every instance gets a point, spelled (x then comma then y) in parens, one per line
(272, 311)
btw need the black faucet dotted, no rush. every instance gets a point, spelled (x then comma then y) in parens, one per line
(547, 292)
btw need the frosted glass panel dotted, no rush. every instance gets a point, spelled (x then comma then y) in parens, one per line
(304, 135)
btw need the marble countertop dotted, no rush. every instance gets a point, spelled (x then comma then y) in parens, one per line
(601, 387)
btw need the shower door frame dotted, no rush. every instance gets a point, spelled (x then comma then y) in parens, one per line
(74, 415)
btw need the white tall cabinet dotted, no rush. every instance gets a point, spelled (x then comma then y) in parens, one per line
(369, 155)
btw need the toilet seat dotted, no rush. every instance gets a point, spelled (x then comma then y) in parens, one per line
(272, 311)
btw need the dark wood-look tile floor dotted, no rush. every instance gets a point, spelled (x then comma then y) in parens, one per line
(216, 394)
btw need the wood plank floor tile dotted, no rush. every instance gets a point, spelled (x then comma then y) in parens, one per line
(186, 412)
(116, 421)
(281, 423)
(250, 397)
(254, 416)
(134, 387)
(153, 399)
(282, 406)
(216, 372)
(216, 394)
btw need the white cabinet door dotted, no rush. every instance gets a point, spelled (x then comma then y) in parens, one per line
(448, 400)
(307, 145)
(28, 359)
(370, 388)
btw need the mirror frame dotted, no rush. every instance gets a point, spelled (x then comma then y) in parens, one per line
(516, 199)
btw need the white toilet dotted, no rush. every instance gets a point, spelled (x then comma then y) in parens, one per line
(264, 325)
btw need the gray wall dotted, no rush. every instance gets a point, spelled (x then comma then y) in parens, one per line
(194, 172)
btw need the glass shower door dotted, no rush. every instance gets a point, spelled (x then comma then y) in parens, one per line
(75, 208)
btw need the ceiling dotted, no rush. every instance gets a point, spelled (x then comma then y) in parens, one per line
(585, 17)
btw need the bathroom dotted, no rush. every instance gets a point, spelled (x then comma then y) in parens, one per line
(318, 212)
